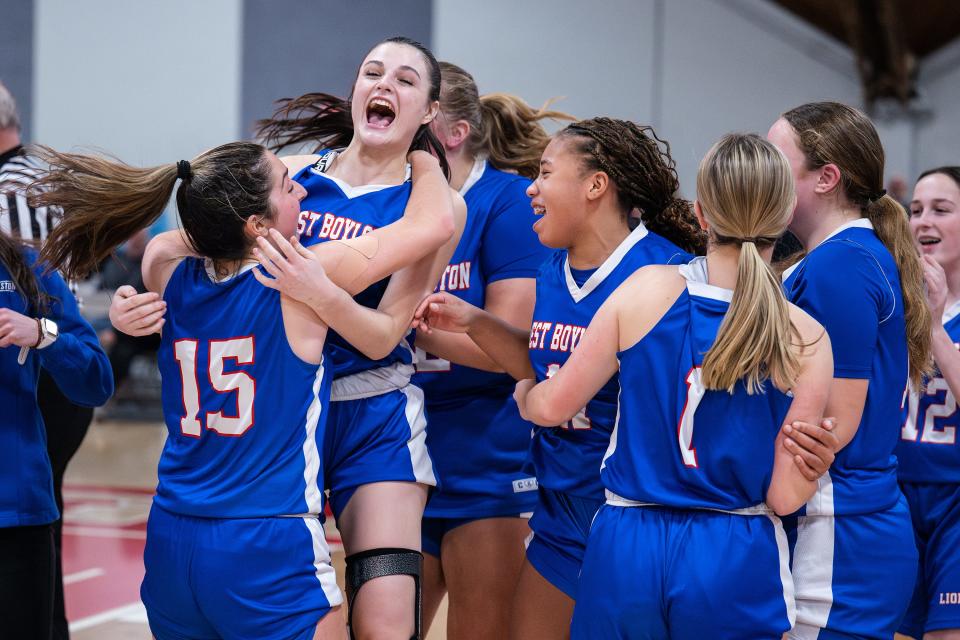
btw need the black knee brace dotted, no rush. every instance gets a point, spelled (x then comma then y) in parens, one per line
(377, 563)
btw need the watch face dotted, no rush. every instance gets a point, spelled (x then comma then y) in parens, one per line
(50, 328)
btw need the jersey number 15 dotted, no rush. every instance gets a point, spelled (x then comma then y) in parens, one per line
(239, 349)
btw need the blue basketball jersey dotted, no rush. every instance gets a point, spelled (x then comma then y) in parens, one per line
(477, 439)
(245, 415)
(849, 283)
(81, 370)
(675, 443)
(928, 450)
(567, 458)
(333, 210)
(498, 243)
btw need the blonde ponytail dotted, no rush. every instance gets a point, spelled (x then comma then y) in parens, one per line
(756, 337)
(746, 192)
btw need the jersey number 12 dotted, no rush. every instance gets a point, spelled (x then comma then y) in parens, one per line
(932, 411)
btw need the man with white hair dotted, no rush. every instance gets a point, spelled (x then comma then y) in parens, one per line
(66, 422)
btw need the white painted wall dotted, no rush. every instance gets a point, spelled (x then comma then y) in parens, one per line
(736, 65)
(150, 82)
(598, 56)
(695, 69)
(938, 138)
(156, 81)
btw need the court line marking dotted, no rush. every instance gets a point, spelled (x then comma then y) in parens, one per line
(132, 609)
(104, 532)
(80, 576)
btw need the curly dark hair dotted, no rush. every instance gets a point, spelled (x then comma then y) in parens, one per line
(644, 174)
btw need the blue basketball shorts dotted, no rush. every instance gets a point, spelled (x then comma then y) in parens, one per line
(478, 445)
(560, 526)
(653, 572)
(854, 574)
(237, 578)
(381, 438)
(935, 511)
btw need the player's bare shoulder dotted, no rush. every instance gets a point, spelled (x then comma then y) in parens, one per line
(296, 163)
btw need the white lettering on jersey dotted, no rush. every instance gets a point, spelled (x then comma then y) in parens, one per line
(456, 277)
(333, 227)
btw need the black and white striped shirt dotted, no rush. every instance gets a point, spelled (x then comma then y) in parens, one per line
(17, 217)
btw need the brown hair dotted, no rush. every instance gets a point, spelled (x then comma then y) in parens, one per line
(746, 193)
(833, 133)
(326, 121)
(644, 174)
(13, 257)
(502, 126)
(105, 202)
(950, 171)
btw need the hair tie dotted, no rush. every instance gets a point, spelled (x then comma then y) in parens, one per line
(183, 170)
(878, 195)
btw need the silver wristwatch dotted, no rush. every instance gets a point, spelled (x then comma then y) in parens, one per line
(48, 333)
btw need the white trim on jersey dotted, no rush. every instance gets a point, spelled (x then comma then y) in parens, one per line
(215, 279)
(813, 575)
(348, 190)
(756, 510)
(313, 493)
(476, 172)
(695, 273)
(859, 223)
(616, 427)
(579, 293)
(821, 503)
(372, 382)
(951, 312)
(325, 572)
(786, 578)
(417, 444)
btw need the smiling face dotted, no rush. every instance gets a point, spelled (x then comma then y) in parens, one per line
(935, 218)
(391, 97)
(558, 195)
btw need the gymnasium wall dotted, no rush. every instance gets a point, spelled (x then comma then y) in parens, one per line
(938, 135)
(152, 81)
(695, 69)
(149, 82)
(16, 55)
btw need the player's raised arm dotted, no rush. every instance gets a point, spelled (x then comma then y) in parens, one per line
(432, 217)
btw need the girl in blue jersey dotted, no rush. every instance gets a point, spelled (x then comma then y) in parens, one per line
(475, 522)
(928, 455)
(376, 462)
(591, 176)
(40, 327)
(854, 559)
(687, 544)
(235, 548)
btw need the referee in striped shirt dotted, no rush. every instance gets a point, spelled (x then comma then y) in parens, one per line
(66, 423)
